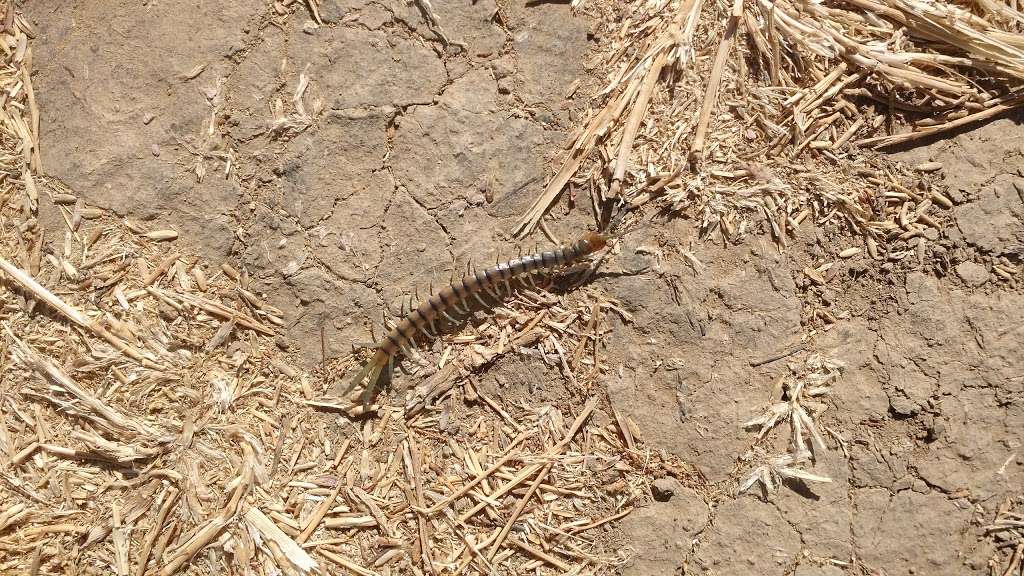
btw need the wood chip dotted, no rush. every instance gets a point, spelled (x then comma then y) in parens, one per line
(162, 235)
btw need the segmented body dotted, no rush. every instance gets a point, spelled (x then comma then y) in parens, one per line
(421, 320)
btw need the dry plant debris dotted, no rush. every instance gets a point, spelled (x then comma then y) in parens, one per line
(800, 390)
(1006, 533)
(746, 112)
(149, 423)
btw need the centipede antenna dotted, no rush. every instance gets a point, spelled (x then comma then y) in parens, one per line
(416, 292)
(431, 285)
(519, 250)
(469, 267)
(410, 303)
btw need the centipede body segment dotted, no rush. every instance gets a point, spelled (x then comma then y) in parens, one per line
(422, 319)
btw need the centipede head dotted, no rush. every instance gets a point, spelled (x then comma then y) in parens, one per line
(597, 240)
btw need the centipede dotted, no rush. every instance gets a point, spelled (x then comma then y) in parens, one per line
(421, 321)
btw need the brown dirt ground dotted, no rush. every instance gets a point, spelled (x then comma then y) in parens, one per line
(423, 155)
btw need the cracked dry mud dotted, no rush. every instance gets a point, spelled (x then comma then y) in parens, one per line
(421, 156)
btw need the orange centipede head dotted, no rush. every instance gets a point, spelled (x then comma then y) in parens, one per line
(596, 240)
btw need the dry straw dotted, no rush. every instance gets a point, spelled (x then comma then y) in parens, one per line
(150, 423)
(754, 111)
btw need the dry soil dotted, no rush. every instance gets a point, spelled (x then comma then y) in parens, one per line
(424, 141)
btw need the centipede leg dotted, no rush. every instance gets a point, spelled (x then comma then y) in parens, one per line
(364, 398)
(415, 357)
(480, 300)
(408, 349)
(493, 292)
(449, 317)
(371, 369)
(431, 330)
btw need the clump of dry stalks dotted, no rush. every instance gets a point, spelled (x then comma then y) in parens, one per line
(149, 423)
(1006, 533)
(801, 389)
(757, 111)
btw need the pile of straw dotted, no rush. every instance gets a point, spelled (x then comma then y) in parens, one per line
(723, 111)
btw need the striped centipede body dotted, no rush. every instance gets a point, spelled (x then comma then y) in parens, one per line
(422, 319)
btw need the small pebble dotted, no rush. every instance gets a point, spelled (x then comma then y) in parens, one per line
(663, 489)
(148, 118)
(155, 149)
(827, 297)
(282, 343)
(972, 274)
(503, 68)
